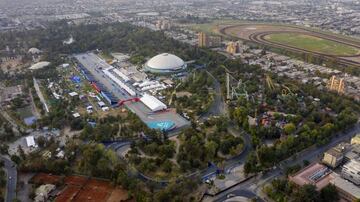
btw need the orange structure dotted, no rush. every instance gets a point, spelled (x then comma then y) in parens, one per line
(233, 48)
(335, 84)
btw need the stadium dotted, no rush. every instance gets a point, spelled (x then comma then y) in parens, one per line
(165, 63)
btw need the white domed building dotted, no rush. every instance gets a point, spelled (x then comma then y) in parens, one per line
(34, 51)
(165, 63)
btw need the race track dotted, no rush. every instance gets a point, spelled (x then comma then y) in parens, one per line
(258, 33)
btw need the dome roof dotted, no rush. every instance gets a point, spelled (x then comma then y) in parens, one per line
(34, 51)
(165, 61)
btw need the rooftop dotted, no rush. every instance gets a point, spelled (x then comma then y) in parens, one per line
(354, 152)
(354, 165)
(346, 186)
(165, 61)
(334, 152)
(316, 174)
(356, 139)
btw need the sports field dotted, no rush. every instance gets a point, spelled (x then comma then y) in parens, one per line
(312, 43)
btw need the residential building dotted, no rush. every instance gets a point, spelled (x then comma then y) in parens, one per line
(347, 191)
(351, 171)
(333, 158)
(352, 153)
(10, 93)
(356, 139)
(208, 41)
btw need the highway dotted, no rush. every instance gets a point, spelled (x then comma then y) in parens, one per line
(255, 184)
(11, 172)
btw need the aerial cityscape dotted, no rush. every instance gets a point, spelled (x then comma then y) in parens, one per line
(169, 100)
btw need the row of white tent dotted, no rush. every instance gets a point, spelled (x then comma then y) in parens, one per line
(120, 83)
(152, 103)
(121, 75)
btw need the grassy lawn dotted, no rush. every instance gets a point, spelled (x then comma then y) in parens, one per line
(312, 43)
(213, 27)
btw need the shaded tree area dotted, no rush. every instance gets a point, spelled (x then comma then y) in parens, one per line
(111, 128)
(294, 116)
(2, 181)
(283, 190)
(119, 37)
(97, 161)
(46, 159)
(200, 97)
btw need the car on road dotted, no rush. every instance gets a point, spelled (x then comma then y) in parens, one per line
(230, 195)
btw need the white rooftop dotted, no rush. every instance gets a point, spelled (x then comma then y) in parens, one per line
(72, 94)
(153, 103)
(39, 65)
(30, 141)
(76, 115)
(165, 61)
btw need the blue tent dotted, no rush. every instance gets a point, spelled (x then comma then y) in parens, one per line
(30, 120)
(76, 79)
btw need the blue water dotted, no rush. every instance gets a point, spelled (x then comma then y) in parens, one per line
(161, 125)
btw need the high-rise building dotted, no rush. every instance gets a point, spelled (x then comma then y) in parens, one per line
(208, 41)
(202, 39)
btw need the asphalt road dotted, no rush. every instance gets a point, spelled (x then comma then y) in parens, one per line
(10, 169)
(255, 184)
(40, 95)
(218, 107)
(240, 159)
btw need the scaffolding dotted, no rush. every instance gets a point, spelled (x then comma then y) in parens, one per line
(235, 91)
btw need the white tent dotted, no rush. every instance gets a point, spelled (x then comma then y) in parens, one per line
(153, 103)
(30, 141)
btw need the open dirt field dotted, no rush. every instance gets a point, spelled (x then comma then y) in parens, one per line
(118, 194)
(80, 188)
(75, 180)
(43, 178)
(297, 39)
(68, 194)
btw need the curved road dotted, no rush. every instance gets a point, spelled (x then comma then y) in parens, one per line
(240, 159)
(218, 107)
(10, 169)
